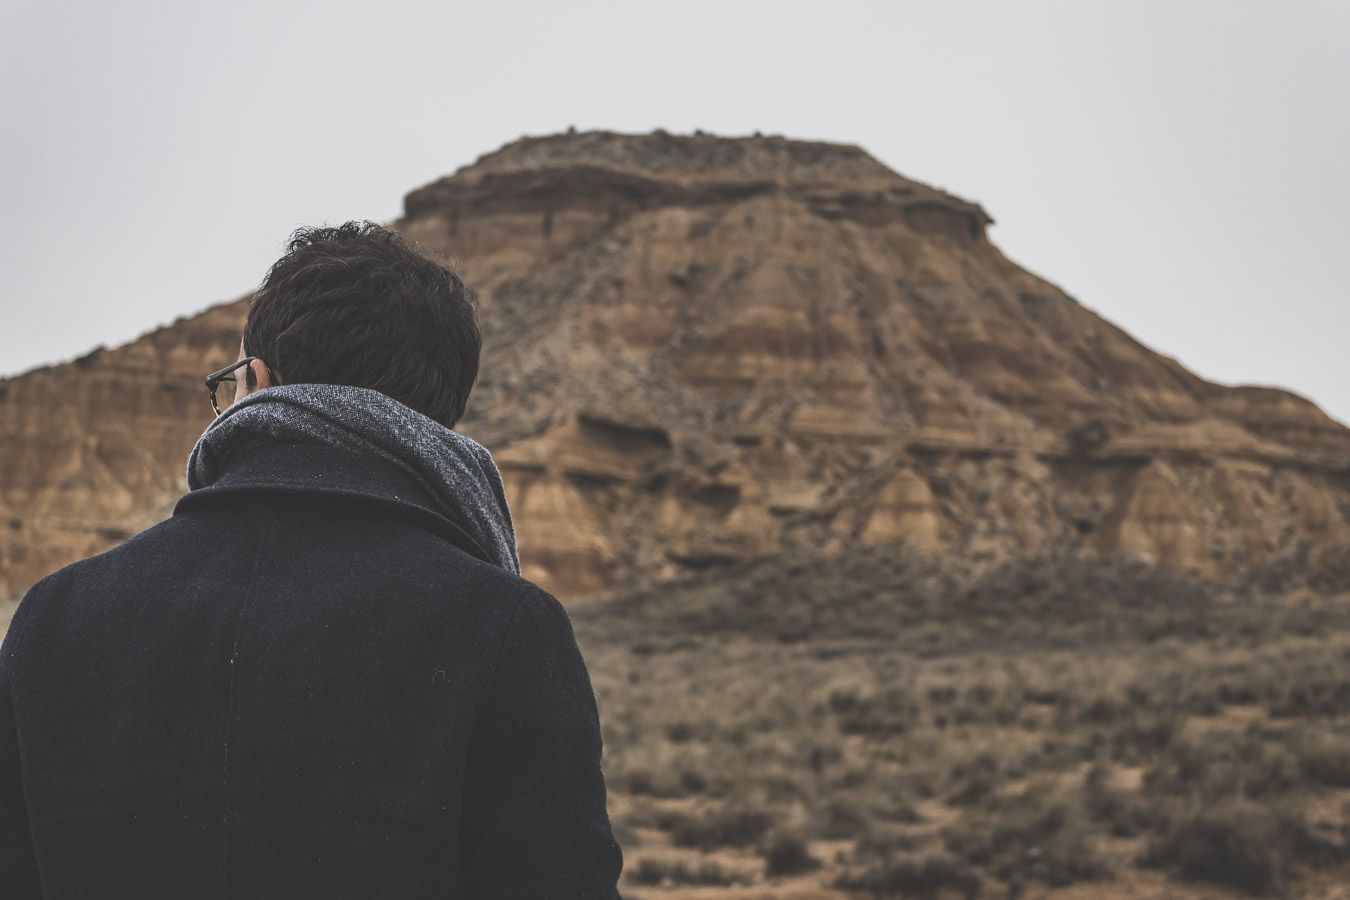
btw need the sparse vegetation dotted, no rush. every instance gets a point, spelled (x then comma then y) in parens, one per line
(899, 873)
(1052, 722)
(786, 852)
(652, 871)
(1237, 843)
(728, 826)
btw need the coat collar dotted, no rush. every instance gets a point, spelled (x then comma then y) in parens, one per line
(290, 468)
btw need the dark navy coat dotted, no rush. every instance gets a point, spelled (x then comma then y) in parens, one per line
(306, 682)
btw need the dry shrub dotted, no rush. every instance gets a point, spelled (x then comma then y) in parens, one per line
(1238, 844)
(1219, 765)
(785, 852)
(730, 825)
(654, 871)
(843, 818)
(898, 873)
(1041, 834)
(1323, 758)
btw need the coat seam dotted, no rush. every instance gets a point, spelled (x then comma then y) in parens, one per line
(229, 715)
(22, 627)
(476, 728)
(496, 667)
(20, 624)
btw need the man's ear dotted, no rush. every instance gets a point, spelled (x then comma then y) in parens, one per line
(261, 379)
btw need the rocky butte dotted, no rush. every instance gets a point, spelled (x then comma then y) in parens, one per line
(700, 350)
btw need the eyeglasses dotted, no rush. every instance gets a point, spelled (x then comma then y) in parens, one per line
(225, 377)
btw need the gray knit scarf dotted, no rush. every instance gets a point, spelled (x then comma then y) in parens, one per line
(456, 470)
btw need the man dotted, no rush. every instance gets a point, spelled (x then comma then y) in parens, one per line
(323, 675)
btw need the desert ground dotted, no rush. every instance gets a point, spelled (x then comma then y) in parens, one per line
(877, 725)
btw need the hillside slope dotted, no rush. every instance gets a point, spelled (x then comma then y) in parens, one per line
(702, 349)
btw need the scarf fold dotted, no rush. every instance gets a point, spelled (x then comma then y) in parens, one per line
(457, 471)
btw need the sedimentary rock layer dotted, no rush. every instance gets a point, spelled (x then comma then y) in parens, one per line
(701, 349)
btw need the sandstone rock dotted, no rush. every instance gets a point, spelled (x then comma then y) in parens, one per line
(700, 350)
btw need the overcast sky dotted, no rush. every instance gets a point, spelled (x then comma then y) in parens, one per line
(1178, 167)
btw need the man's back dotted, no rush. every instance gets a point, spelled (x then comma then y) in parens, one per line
(299, 686)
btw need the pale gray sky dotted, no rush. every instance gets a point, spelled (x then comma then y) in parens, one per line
(1178, 167)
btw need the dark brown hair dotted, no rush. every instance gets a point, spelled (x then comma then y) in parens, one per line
(357, 304)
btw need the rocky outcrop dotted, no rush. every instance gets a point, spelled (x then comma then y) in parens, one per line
(699, 350)
(93, 450)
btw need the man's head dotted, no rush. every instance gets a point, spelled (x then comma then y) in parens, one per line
(355, 304)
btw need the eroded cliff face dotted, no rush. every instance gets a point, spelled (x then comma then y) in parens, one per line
(700, 350)
(94, 450)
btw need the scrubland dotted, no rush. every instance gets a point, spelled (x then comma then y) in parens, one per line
(882, 725)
